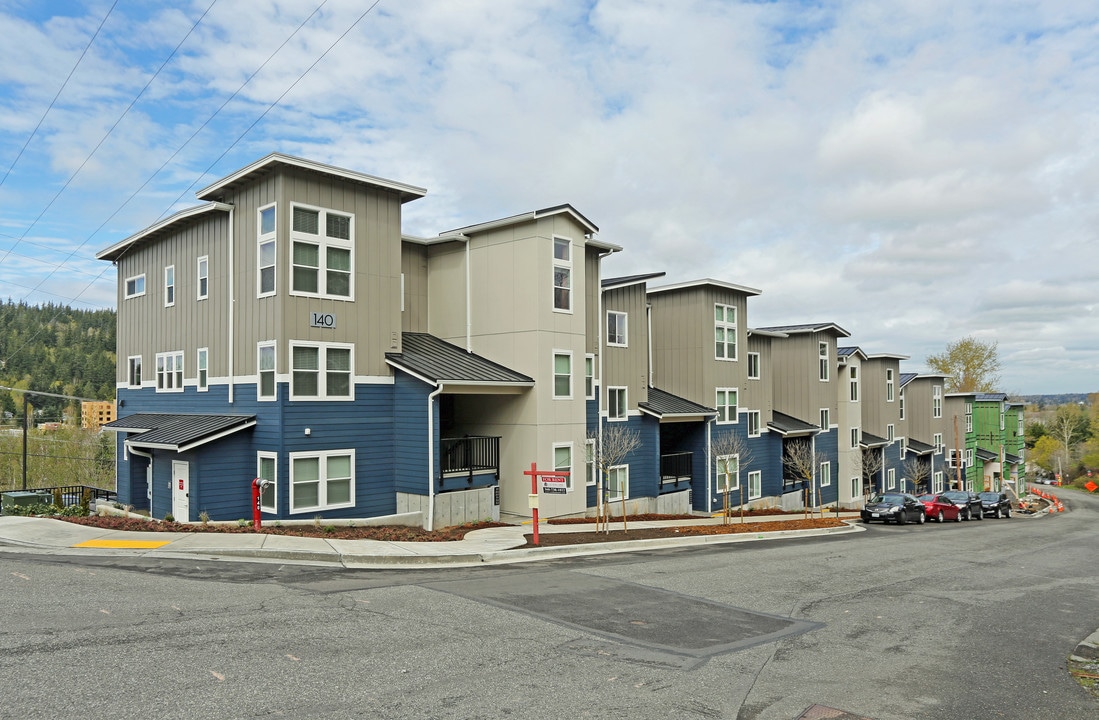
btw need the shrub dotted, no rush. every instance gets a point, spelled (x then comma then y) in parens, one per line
(167, 518)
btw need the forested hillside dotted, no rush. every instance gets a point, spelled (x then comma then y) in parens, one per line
(56, 349)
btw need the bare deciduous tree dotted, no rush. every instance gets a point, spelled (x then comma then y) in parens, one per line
(869, 462)
(612, 446)
(800, 461)
(918, 470)
(724, 445)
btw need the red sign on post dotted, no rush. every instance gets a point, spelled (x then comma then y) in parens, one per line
(554, 484)
(1091, 486)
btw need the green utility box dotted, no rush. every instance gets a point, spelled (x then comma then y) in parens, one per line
(24, 498)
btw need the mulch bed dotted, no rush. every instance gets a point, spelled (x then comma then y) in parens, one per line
(616, 534)
(388, 533)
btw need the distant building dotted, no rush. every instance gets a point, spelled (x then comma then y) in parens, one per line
(93, 415)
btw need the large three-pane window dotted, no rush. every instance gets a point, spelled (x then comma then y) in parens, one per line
(726, 403)
(169, 371)
(322, 480)
(266, 252)
(320, 372)
(321, 255)
(725, 332)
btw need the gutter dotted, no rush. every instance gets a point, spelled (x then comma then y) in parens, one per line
(431, 456)
(232, 300)
(148, 473)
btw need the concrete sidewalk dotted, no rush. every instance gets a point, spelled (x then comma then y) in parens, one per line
(490, 546)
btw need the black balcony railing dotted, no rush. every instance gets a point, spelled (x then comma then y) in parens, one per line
(74, 494)
(676, 468)
(469, 456)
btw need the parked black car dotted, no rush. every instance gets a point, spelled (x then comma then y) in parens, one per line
(995, 504)
(898, 507)
(968, 503)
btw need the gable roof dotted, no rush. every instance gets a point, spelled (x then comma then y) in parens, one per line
(705, 282)
(809, 328)
(178, 431)
(610, 283)
(438, 362)
(908, 377)
(788, 425)
(991, 397)
(565, 209)
(666, 406)
(275, 161)
(158, 229)
(845, 352)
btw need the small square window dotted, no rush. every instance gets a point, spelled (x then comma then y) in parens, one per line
(616, 403)
(562, 375)
(135, 286)
(753, 366)
(616, 328)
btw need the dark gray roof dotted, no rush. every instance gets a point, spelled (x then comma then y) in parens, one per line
(808, 328)
(178, 431)
(920, 448)
(991, 397)
(786, 425)
(987, 455)
(629, 280)
(868, 440)
(1013, 459)
(665, 405)
(845, 351)
(908, 377)
(439, 362)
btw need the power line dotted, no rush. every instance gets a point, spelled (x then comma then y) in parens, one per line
(59, 91)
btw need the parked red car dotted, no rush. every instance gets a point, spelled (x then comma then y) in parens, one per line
(936, 507)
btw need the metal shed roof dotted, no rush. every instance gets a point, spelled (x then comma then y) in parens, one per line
(666, 406)
(178, 431)
(439, 362)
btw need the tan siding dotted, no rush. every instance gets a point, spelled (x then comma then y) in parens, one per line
(799, 392)
(628, 366)
(414, 270)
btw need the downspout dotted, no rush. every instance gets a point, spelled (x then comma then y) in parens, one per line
(598, 460)
(469, 297)
(710, 490)
(649, 324)
(232, 301)
(148, 471)
(431, 457)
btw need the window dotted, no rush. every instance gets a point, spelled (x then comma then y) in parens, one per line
(856, 487)
(937, 401)
(825, 474)
(753, 366)
(265, 255)
(616, 328)
(889, 432)
(320, 372)
(937, 482)
(891, 479)
(969, 417)
(901, 406)
(135, 286)
(265, 362)
(854, 376)
(562, 462)
(825, 419)
(726, 405)
(1001, 419)
(266, 469)
(616, 403)
(890, 386)
(822, 351)
(321, 261)
(203, 277)
(562, 375)
(937, 439)
(725, 332)
(170, 286)
(755, 484)
(562, 274)
(133, 371)
(728, 473)
(618, 482)
(322, 480)
(169, 372)
(203, 370)
(589, 377)
(903, 449)
(969, 457)
(854, 438)
(753, 423)
(589, 462)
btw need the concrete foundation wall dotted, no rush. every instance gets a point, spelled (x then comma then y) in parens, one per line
(453, 508)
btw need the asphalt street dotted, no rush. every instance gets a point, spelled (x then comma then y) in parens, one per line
(959, 621)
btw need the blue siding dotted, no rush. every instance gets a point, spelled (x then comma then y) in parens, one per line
(410, 434)
(591, 409)
(828, 447)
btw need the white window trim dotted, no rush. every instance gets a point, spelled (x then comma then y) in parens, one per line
(177, 360)
(169, 286)
(625, 485)
(625, 404)
(854, 438)
(126, 286)
(890, 385)
(322, 373)
(261, 240)
(856, 487)
(826, 474)
(624, 319)
(200, 276)
(589, 463)
(322, 491)
(891, 479)
(853, 379)
(755, 423)
(723, 462)
(566, 264)
(937, 440)
(825, 419)
(727, 327)
(323, 242)
(589, 363)
(572, 461)
(274, 371)
(824, 362)
(753, 360)
(553, 369)
(937, 482)
(129, 371)
(890, 432)
(202, 357)
(734, 409)
(900, 406)
(755, 489)
(260, 456)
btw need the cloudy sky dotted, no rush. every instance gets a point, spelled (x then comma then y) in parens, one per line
(915, 171)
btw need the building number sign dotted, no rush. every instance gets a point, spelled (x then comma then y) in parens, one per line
(322, 320)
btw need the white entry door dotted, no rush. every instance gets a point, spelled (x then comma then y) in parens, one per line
(181, 491)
